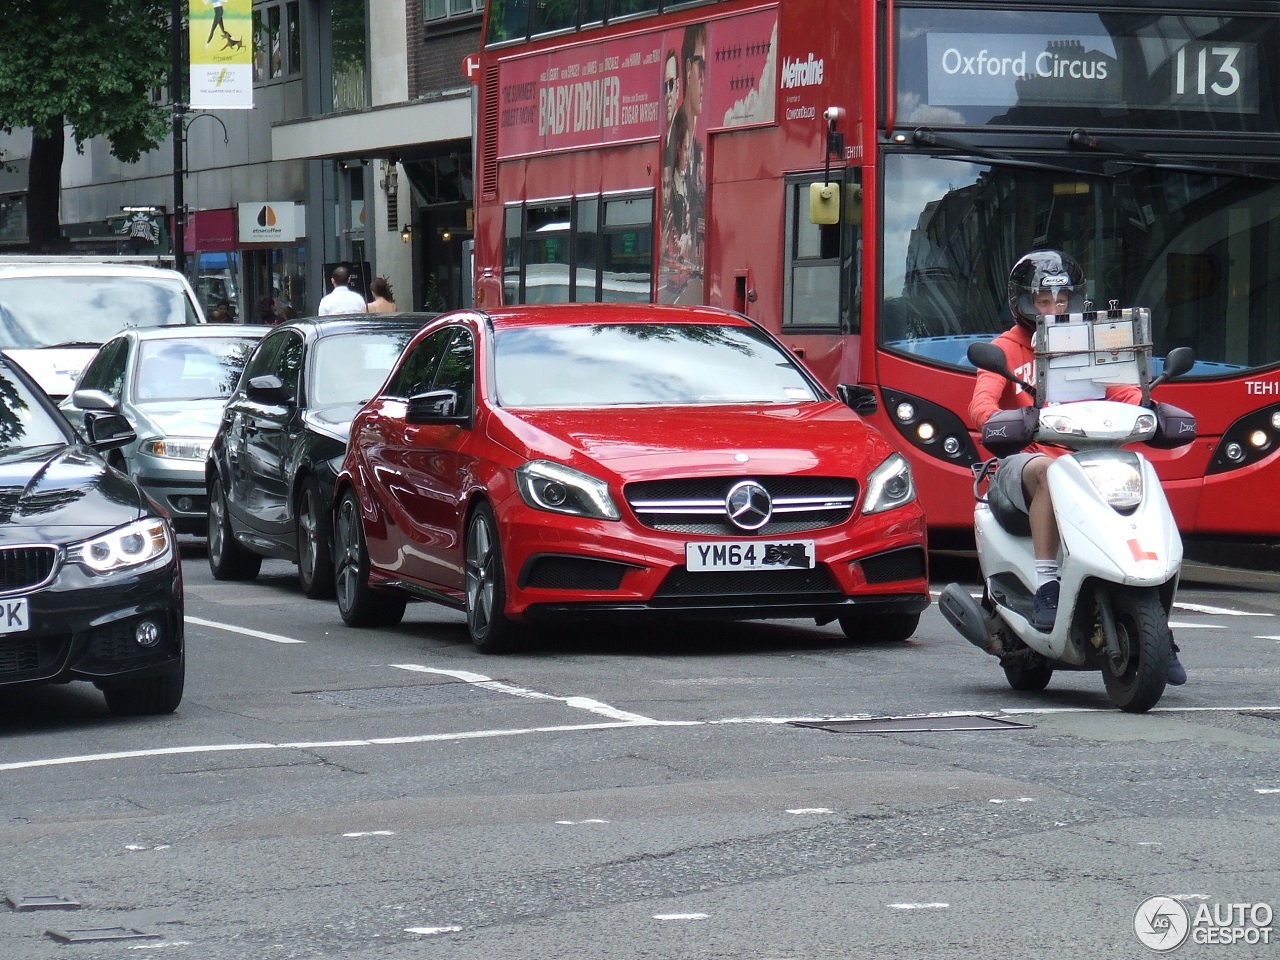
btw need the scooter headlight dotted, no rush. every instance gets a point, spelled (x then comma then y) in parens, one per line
(1116, 477)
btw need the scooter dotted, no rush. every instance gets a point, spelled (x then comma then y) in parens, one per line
(1121, 552)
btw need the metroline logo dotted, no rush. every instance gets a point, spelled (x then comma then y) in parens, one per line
(801, 73)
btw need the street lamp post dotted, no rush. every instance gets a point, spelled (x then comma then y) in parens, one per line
(175, 95)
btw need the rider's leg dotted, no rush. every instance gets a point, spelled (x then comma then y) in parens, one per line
(1044, 541)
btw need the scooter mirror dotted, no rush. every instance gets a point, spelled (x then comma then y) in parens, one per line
(987, 356)
(1179, 361)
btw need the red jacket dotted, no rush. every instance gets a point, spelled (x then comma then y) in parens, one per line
(993, 392)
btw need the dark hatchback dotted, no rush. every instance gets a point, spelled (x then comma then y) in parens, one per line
(271, 468)
(90, 581)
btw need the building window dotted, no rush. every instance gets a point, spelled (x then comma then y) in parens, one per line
(277, 40)
(821, 277)
(435, 10)
(594, 249)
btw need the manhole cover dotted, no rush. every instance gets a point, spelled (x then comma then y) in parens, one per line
(100, 934)
(368, 698)
(914, 724)
(21, 904)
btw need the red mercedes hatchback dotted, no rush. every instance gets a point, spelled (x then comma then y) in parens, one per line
(540, 463)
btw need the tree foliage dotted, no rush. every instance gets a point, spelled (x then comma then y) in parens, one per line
(87, 64)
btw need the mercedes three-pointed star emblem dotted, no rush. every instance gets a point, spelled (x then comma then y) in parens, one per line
(748, 505)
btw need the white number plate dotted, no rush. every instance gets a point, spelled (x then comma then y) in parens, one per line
(13, 615)
(749, 555)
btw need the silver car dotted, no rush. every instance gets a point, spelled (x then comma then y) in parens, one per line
(171, 383)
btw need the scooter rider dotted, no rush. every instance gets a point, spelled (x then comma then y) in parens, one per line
(1042, 282)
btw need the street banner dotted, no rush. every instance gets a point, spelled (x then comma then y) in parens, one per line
(221, 54)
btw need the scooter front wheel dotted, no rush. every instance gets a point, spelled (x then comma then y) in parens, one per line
(1136, 678)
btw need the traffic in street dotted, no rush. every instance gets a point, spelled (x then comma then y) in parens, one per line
(691, 790)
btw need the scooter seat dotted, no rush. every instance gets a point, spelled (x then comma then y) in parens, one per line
(1012, 520)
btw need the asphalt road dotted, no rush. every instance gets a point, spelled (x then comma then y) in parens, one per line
(328, 792)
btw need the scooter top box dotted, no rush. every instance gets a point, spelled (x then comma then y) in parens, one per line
(1080, 355)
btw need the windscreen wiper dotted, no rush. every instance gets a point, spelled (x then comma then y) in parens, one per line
(1082, 139)
(924, 137)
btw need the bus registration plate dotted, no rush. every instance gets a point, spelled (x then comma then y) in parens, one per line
(749, 555)
(13, 615)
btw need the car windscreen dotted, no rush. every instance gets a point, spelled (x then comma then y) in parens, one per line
(194, 369)
(24, 422)
(52, 311)
(638, 364)
(350, 367)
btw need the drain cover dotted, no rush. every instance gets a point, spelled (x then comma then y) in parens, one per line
(100, 934)
(41, 903)
(970, 721)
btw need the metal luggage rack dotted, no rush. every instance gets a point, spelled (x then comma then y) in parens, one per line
(1079, 354)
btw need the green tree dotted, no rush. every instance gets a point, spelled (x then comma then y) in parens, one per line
(88, 64)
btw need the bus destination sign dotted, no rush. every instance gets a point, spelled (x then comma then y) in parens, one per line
(974, 69)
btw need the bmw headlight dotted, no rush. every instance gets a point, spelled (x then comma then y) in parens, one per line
(130, 546)
(889, 485)
(552, 486)
(1116, 477)
(176, 448)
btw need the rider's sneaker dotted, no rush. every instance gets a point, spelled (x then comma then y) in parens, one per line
(1177, 672)
(1046, 606)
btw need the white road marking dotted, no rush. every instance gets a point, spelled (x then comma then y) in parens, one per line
(1196, 626)
(574, 823)
(1267, 790)
(158, 946)
(578, 703)
(680, 916)
(918, 906)
(1220, 611)
(371, 833)
(273, 637)
(1014, 800)
(799, 810)
(428, 931)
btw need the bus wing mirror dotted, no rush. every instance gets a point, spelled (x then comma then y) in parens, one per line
(824, 203)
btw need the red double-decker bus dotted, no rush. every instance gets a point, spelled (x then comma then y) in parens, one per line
(860, 177)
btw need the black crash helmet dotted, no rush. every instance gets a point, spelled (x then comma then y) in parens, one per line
(1043, 270)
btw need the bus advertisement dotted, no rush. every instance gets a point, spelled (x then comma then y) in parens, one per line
(860, 178)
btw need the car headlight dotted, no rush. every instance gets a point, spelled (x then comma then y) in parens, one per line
(176, 448)
(130, 546)
(889, 485)
(1115, 476)
(552, 486)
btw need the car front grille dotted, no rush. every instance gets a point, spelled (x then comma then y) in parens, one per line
(697, 505)
(735, 586)
(30, 658)
(26, 567)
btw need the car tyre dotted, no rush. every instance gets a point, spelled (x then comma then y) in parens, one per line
(359, 605)
(880, 628)
(227, 559)
(315, 542)
(492, 631)
(156, 695)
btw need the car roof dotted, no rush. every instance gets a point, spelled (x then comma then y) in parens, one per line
(582, 313)
(203, 331)
(48, 268)
(356, 322)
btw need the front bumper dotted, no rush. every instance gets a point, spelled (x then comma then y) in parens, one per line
(81, 627)
(178, 487)
(561, 567)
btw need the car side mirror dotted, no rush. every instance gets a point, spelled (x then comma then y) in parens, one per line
(95, 400)
(435, 407)
(108, 431)
(268, 388)
(859, 399)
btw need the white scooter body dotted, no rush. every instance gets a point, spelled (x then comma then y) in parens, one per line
(1140, 548)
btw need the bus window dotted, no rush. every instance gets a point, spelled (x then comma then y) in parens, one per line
(822, 287)
(586, 245)
(627, 250)
(508, 20)
(552, 15)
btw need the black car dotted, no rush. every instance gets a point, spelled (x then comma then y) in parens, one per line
(90, 581)
(271, 468)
